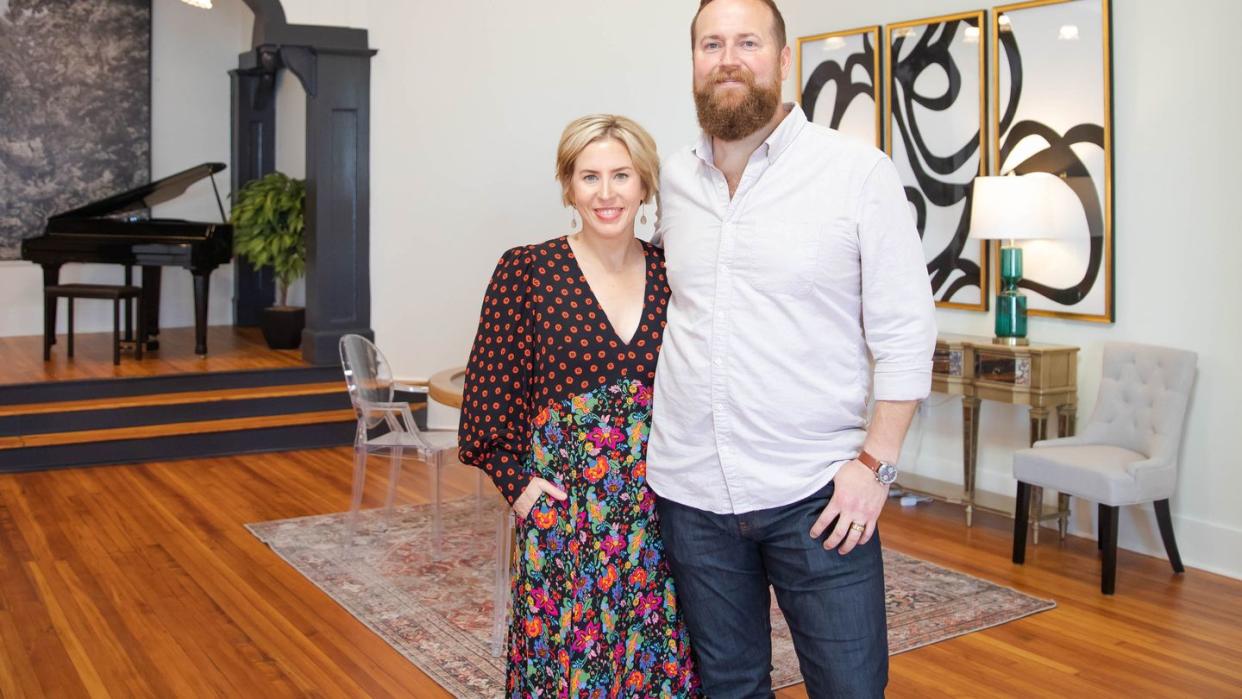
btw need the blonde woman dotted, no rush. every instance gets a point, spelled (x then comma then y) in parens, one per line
(557, 409)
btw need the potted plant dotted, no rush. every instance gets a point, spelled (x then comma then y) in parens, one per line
(268, 223)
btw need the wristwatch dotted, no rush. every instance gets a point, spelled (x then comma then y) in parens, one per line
(885, 472)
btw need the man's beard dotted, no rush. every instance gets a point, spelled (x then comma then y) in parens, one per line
(734, 121)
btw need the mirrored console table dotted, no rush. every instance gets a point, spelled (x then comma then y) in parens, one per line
(1042, 377)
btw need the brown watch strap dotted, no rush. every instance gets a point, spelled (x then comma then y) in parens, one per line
(869, 461)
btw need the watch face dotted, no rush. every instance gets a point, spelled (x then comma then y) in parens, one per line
(887, 473)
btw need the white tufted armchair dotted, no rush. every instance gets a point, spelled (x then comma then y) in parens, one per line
(1128, 453)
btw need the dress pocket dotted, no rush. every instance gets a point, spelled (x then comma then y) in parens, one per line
(779, 258)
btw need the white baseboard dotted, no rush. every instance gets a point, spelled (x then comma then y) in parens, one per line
(1208, 546)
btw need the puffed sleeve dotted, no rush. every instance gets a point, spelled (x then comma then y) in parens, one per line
(496, 404)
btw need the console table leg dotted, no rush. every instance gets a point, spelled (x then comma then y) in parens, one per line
(1065, 420)
(1037, 509)
(1039, 432)
(970, 452)
(1063, 503)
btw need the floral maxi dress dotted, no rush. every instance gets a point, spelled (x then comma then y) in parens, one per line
(552, 391)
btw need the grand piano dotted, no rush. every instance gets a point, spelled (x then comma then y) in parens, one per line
(118, 230)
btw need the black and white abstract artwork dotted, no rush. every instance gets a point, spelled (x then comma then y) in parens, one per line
(839, 82)
(1054, 115)
(75, 107)
(936, 74)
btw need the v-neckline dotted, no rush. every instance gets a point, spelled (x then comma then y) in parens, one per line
(595, 299)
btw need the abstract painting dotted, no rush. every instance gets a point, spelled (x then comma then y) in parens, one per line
(839, 82)
(1052, 105)
(935, 117)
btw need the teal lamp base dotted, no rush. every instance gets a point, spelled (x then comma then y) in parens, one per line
(1010, 303)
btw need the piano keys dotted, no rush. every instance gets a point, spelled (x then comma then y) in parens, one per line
(118, 230)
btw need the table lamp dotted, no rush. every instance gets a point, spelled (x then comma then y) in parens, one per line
(1012, 208)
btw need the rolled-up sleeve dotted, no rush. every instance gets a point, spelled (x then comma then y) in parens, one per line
(898, 312)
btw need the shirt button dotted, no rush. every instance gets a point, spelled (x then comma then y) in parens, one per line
(717, 362)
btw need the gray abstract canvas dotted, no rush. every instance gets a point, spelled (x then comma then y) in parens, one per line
(75, 107)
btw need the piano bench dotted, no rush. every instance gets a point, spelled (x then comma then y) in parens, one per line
(115, 293)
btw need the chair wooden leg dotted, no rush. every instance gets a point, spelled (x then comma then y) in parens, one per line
(49, 325)
(1020, 515)
(69, 347)
(1101, 512)
(1108, 577)
(1165, 520)
(129, 306)
(116, 332)
(142, 327)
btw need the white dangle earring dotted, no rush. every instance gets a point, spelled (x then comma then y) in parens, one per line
(573, 218)
(643, 220)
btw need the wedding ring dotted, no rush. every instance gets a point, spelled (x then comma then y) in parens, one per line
(860, 528)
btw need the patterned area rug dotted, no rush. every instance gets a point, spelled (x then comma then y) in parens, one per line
(438, 613)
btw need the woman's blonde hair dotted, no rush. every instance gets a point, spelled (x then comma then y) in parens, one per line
(586, 130)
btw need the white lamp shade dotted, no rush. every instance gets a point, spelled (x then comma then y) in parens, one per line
(204, 4)
(1016, 207)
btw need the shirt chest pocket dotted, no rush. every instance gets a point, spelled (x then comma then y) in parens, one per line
(779, 258)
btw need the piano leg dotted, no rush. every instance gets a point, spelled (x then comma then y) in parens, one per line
(202, 285)
(129, 307)
(150, 304)
(51, 277)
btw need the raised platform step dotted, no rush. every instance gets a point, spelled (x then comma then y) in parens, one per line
(95, 389)
(164, 408)
(57, 424)
(241, 397)
(177, 441)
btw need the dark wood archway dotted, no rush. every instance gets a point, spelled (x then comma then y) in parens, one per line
(333, 65)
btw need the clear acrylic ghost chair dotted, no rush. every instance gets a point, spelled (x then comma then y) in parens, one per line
(371, 387)
(502, 592)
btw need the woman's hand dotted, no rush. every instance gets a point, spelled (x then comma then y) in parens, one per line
(538, 486)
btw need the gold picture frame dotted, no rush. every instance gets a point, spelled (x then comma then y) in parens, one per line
(835, 46)
(1093, 301)
(952, 269)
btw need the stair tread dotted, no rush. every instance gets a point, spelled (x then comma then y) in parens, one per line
(176, 429)
(279, 391)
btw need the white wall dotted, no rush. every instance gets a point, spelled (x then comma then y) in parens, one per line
(467, 108)
(468, 104)
(191, 52)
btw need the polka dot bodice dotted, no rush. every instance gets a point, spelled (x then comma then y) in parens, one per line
(544, 339)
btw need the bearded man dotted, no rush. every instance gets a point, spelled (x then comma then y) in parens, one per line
(799, 292)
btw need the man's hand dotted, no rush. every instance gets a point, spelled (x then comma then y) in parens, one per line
(856, 498)
(538, 486)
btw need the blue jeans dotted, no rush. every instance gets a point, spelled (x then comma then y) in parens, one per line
(834, 604)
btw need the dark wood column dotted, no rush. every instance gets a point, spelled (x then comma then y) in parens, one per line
(334, 67)
(253, 155)
(338, 195)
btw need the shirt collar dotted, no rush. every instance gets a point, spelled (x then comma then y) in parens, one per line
(773, 145)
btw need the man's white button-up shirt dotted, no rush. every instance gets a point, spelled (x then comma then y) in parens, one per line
(793, 301)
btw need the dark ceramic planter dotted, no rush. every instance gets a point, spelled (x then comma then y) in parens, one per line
(282, 326)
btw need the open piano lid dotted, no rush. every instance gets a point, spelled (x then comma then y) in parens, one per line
(145, 196)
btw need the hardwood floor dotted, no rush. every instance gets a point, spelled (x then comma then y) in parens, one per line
(141, 581)
(229, 348)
